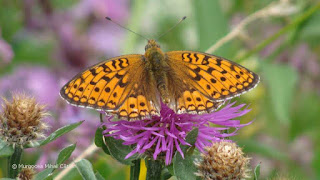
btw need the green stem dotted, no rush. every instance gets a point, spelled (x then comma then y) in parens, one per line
(154, 168)
(14, 161)
(282, 31)
(101, 117)
(135, 170)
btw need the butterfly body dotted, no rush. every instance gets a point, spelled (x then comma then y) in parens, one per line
(133, 86)
(158, 68)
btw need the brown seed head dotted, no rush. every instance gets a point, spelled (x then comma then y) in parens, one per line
(26, 174)
(21, 120)
(223, 160)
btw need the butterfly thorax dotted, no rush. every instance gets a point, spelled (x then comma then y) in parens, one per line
(157, 67)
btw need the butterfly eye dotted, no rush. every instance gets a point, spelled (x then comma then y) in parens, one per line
(147, 47)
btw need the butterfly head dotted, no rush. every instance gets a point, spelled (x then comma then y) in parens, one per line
(153, 50)
(152, 44)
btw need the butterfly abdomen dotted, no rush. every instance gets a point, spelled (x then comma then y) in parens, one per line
(158, 69)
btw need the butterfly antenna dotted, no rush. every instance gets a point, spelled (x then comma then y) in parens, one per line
(108, 18)
(184, 17)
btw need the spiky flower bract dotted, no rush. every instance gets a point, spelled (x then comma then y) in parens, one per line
(22, 120)
(223, 160)
(161, 136)
(26, 174)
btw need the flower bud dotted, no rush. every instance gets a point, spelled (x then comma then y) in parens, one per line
(26, 174)
(223, 160)
(22, 120)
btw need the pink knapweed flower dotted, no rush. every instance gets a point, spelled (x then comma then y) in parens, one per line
(162, 135)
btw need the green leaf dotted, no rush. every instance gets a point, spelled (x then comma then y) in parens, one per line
(135, 23)
(257, 172)
(316, 162)
(281, 81)
(310, 29)
(98, 140)
(98, 137)
(191, 138)
(184, 169)
(99, 176)
(63, 4)
(135, 169)
(5, 149)
(72, 174)
(85, 169)
(303, 122)
(170, 169)
(6, 179)
(24, 54)
(165, 174)
(59, 132)
(65, 154)
(119, 151)
(253, 146)
(212, 25)
(47, 173)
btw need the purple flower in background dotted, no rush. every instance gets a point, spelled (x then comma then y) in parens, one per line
(106, 39)
(100, 9)
(6, 53)
(74, 48)
(37, 81)
(297, 60)
(162, 135)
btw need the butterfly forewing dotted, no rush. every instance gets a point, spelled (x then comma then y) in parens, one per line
(111, 86)
(216, 78)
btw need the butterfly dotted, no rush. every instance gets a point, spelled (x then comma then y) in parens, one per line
(134, 86)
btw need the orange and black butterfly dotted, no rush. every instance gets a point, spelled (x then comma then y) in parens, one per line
(133, 86)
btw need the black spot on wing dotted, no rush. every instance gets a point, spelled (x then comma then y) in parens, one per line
(122, 84)
(210, 69)
(119, 76)
(205, 60)
(114, 64)
(196, 56)
(106, 78)
(218, 62)
(93, 72)
(106, 69)
(107, 89)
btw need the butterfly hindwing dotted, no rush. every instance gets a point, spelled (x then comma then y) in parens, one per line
(214, 77)
(193, 101)
(137, 106)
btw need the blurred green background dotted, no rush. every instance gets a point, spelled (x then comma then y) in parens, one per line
(44, 43)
